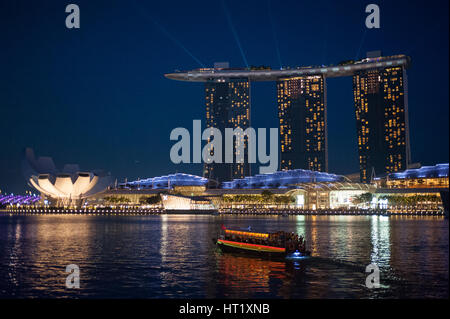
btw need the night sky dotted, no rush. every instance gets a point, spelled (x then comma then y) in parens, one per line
(97, 95)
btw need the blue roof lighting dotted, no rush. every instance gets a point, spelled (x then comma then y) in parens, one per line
(18, 199)
(168, 181)
(439, 170)
(282, 179)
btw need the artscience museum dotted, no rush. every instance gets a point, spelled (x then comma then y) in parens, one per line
(66, 187)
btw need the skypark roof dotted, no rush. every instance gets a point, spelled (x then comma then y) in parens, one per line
(266, 74)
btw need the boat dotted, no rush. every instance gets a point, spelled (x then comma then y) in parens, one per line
(273, 245)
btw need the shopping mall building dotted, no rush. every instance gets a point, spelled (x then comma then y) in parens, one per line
(301, 189)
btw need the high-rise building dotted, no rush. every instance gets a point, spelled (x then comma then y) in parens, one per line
(381, 108)
(303, 123)
(228, 106)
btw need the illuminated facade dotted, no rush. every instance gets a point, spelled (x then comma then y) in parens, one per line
(282, 179)
(423, 177)
(429, 182)
(167, 182)
(228, 106)
(290, 188)
(381, 108)
(18, 199)
(64, 187)
(303, 127)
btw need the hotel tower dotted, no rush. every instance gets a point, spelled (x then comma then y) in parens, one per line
(228, 106)
(381, 109)
(303, 123)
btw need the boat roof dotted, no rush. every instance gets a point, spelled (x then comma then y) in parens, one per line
(250, 233)
(246, 233)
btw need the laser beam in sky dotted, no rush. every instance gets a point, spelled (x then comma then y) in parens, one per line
(168, 34)
(233, 30)
(274, 33)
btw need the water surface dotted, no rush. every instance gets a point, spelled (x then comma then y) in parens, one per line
(173, 256)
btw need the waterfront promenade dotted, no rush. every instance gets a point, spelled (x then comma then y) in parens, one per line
(234, 211)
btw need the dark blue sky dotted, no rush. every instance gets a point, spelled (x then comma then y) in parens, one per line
(97, 95)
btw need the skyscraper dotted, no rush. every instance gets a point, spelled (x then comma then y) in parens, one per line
(303, 127)
(381, 108)
(228, 106)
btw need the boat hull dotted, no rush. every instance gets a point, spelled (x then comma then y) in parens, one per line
(251, 249)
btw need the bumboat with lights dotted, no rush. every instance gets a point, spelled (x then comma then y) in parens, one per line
(273, 245)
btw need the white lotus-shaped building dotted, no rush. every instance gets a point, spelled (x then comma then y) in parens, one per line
(66, 187)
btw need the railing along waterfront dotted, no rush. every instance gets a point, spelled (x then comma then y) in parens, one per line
(11, 210)
(293, 211)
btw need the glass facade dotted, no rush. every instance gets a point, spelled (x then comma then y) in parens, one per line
(228, 106)
(302, 120)
(381, 109)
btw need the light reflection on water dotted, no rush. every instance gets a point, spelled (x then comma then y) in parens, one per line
(174, 257)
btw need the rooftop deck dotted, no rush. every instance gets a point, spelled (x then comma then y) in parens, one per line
(255, 74)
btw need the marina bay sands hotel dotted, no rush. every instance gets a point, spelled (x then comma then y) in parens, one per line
(381, 107)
